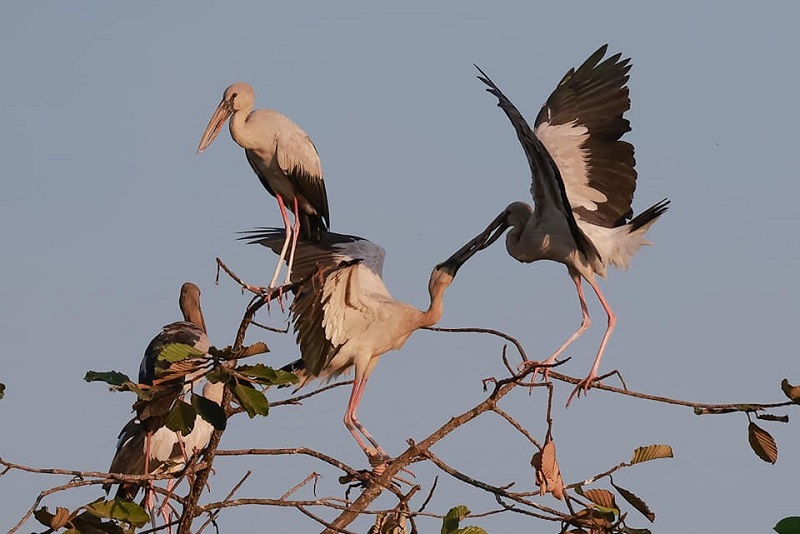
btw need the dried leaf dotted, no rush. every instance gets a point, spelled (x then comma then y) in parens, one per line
(793, 392)
(788, 525)
(43, 516)
(636, 502)
(548, 475)
(60, 519)
(2, 390)
(602, 498)
(593, 519)
(470, 530)
(629, 530)
(762, 443)
(258, 347)
(651, 452)
(771, 417)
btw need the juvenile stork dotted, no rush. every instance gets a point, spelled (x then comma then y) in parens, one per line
(582, 183)
(344, 316)
(285, 161)
(145, 444)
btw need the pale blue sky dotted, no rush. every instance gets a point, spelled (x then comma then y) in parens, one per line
(105, 209)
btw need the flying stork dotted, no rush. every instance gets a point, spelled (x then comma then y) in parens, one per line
(582, 183)
(344, 316)
(285, 161)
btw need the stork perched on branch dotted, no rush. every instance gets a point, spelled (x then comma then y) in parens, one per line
(285, 161)
(145, 444)
(582, 183)
(344, 316)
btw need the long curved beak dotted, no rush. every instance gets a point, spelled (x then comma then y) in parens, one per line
(190, 305)
(479, 242)
(221, 114)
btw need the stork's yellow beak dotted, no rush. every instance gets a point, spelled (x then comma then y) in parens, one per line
(221, 114)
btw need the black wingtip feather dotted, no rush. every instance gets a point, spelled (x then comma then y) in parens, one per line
(651, 213)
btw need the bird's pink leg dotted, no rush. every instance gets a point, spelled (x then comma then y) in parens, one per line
(585, 322)
(586, 383)
(295, 236)
(149, 494)
(352, 423)
(166, 507)
(286, 240)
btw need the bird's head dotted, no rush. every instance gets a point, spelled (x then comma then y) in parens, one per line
(237, 97)
(190, 305)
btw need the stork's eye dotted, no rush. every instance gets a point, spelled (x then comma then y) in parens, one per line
(234, 95)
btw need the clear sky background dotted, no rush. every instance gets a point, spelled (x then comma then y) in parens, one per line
(105, 209)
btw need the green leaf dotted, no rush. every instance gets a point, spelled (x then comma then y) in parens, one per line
(175, 352)
(86, 523)
(210, 411)
(219, 374)
(251, 400)
(787, 525)
(112, 378)
(266, 375)
(181, 417)
(453, 518)
(120, 510)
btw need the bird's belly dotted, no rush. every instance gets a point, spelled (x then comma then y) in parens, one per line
(544, 244)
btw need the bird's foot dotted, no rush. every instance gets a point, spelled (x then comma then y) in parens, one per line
(540, 367)
(582, 387)
(379, 461)
(271, 293)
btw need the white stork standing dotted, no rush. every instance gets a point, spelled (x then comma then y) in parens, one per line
(284, 159)
(145, 444)
(582, 182)
(344, 316)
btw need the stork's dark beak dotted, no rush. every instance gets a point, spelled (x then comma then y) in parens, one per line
(221, 114)
(479, 242)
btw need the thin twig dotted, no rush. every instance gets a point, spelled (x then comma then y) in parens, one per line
(513, 422)
(213, 515)
(555, 515)
(479, 330)
(313, 476)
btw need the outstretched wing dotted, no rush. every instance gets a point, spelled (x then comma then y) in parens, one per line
(547, 187)
(581, 125)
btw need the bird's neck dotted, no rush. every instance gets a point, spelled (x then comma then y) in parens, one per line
(195, 315)
(242, 132)
(434, 312)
